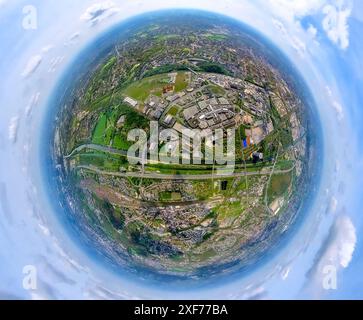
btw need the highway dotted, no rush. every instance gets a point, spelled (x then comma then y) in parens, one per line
(114, 151)
(160, 176)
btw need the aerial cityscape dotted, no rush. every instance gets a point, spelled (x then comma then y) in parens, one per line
(174, 213)
(198, 151)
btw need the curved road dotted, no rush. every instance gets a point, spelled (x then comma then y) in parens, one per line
(97, 148)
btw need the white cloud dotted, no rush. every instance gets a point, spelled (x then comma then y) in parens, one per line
(342, 245)
(298, 45)
(312, 30)
(44, 229)
(338, 108)
(32, 103)
(250, 292)
(99, 11)
(294, 41)
(336, 25)
(55, 62)
(335, 22)
(74, 36)
(336, 254)
(13, 129)
(293, 9)
(285, 273)
(32, 65)
(338, 249)
(333, 204)
(73, 39)
(47, 48)
(99, 292)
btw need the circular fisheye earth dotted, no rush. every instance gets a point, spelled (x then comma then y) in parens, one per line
(173, 207)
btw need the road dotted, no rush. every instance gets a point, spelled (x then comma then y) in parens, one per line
(160, 176)
(111, 150)
(97, 148)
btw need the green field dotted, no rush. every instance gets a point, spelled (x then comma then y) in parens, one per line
(102, 160)
(216, 37)
(169, 196)
(229, 210)
(106, 130)
(173, 111)
(154, 85)
(140, 90)
(279, 185)
(182, 81)
(203, 190)
(99, 132)
(108, 66)
(217, 90)
(165, 37)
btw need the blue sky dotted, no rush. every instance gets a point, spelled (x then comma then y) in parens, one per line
(321, 37)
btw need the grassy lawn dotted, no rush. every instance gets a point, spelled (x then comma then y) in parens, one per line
(210, 253)
(203, 190)
(182, 82)
(106, 129)
(240, 185)
(173, 111)
(99, 132)
(285, 164)
(216, 37)
(102, 160)
(169, 196)
(108, 66)
(164, 169)
(140, 90)
(216, 90)
(229, 210)
(279, 185)
(91, 159)
(168, 37)
(120, 143)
